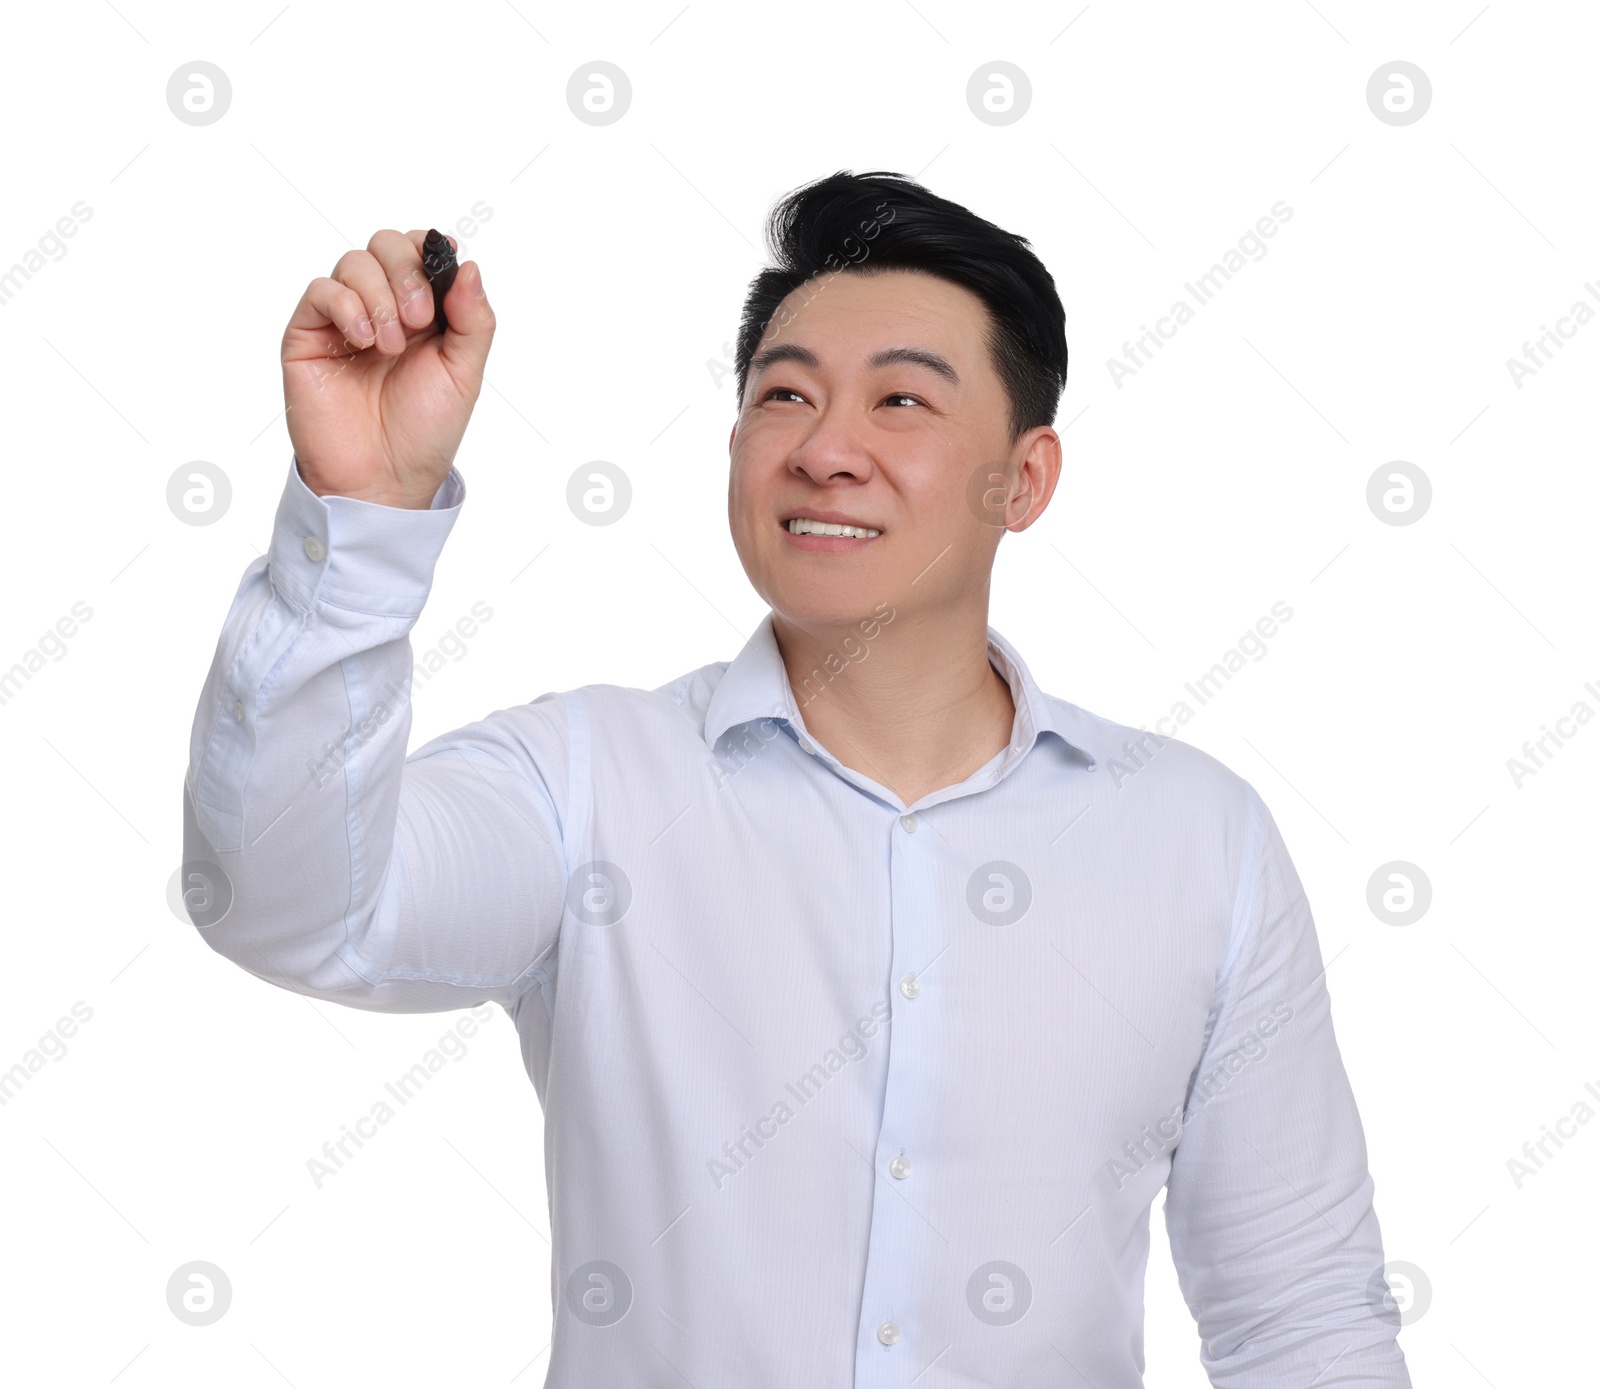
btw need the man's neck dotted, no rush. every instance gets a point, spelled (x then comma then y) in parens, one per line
(921, 710)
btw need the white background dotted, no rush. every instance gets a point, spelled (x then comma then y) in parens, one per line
(1229, 473)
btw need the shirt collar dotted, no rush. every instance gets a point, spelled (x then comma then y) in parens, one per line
(755, 686)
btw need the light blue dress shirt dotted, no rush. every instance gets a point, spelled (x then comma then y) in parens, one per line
(839, 1091)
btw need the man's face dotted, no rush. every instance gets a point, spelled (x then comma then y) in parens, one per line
(835, 427)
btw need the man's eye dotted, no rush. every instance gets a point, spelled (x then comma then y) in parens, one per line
(777, 391)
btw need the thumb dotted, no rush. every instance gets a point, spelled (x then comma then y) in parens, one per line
(469, 327)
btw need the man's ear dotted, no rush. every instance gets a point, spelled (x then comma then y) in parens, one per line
(1039, 470)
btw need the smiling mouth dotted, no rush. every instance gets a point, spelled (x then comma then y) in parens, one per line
(802, 525)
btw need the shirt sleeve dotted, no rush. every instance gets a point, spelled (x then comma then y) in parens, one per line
(317, 855)
(1269, 1201)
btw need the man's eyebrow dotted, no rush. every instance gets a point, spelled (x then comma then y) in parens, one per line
(915, 356)
(888, 356)
(783, 352)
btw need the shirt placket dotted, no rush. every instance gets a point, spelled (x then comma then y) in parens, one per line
(892, 1342)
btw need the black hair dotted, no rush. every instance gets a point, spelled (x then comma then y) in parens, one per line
(871, 222)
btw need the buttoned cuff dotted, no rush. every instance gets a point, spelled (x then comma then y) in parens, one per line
(359, 555)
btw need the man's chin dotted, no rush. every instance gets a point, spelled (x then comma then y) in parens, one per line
(856, 606)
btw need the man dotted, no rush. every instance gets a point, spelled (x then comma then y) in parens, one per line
(871, 993)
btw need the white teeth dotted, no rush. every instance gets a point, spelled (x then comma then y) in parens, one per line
(800, 525)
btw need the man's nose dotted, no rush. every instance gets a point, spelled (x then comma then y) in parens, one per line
(833, 450)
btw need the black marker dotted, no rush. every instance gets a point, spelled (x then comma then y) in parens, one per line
(439, 264)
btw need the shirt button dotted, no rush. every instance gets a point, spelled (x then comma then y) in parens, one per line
(900, 1167)
(238, 711)
(908, 822)
(911, 986)
(313, 548)
(889, 1332)
(806, 745)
